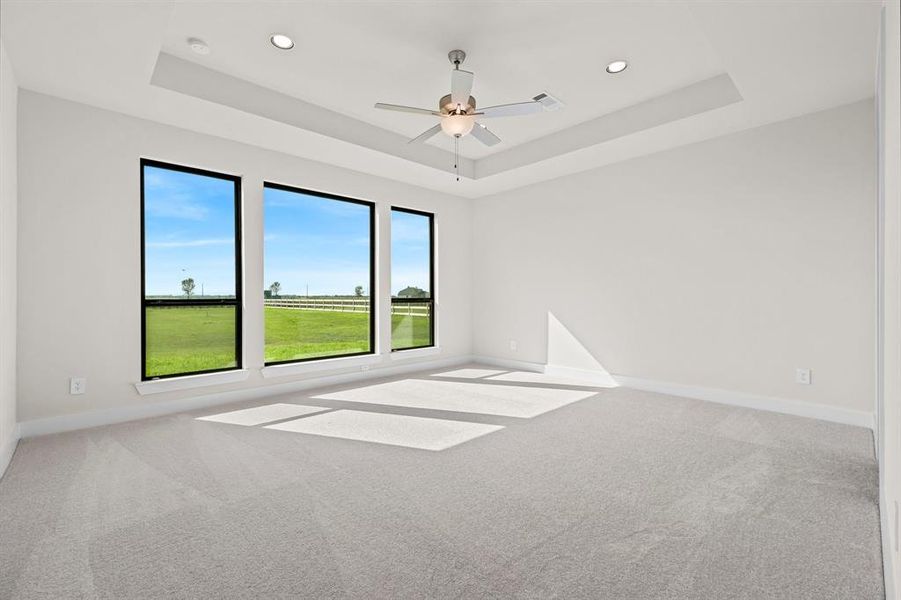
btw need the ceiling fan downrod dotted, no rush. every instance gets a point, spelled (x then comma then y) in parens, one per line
(456, 57)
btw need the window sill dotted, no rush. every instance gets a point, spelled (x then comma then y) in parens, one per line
(325, 364)
(158, 386)
(415, 353)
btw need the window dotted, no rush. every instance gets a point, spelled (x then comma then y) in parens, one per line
(190, 270)
(412, 279)
(318, 275)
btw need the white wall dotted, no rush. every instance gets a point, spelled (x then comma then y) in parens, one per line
(8, 123)
(724, 264)
(889, 430)
(79, 249)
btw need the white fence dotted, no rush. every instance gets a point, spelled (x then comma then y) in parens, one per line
(330, 304)
(360, 305)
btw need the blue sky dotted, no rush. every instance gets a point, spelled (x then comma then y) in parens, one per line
(315, 242)
(189, 230)
(409, 251)
(324, 243)
(309, 241)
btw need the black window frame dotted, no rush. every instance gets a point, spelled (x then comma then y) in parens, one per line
(372, 275)
(237, 302)
(431, 299)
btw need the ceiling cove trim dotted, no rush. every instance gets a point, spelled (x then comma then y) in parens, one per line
(693, 99)
(189, 78)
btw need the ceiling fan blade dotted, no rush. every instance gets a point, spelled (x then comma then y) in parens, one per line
(481, 133)
(426, 134)
(406, 109)
(512, 110)
(461, 87)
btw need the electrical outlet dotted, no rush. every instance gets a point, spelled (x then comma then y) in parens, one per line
(513, 345)
(364, 367)
(802, 376)
(77, 385)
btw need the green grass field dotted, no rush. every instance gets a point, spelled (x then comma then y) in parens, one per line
(188, 339)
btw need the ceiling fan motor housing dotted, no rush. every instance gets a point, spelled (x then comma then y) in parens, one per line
(456, 57)
(447, 107)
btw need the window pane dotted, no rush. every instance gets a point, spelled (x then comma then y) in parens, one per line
(186, 339)
(191, 283)
(318, 253)
(189, 233)
(410, 325)
(411, 280)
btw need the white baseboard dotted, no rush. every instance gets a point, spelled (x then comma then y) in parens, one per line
(7, 450)
(886, 512)
(109, 416)
(798, 408)
(598, 378)
(96, 418)
(509, 363)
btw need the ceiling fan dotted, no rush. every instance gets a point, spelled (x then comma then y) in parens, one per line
(457, 110)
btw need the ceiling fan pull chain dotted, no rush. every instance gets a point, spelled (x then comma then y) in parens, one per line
(457, 155)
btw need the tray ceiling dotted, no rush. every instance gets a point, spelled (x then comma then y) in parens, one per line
(697, 70)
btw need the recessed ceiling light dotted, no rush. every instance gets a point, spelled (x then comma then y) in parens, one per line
(617, 66)
(281, 41)
(198, 46)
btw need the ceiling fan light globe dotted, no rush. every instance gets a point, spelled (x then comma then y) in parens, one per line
(457, 125)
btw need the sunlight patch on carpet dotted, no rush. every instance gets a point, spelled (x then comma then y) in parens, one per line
(262, 414)
(395, 430)
(532, 377)
(468, 373)
(462, 396)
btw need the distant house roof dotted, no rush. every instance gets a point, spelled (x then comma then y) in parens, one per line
(412, 292)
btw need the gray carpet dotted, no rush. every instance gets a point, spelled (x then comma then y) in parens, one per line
(621, 494)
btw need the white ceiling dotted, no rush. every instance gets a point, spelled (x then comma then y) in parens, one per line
(349, 56)
(785, 59)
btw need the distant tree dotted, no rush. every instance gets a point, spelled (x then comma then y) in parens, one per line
(187, 286)
(412, 292)
(275, 288)
(358, 291)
